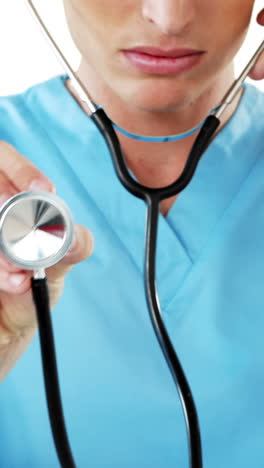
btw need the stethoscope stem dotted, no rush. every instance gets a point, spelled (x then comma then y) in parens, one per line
(48, 353)
(184, 391)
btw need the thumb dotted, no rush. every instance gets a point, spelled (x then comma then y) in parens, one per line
(81, 249)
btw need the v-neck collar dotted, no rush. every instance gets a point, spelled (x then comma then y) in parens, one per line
(196, 212)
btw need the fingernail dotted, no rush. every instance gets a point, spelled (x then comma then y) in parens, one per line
(16, 279)
(39, 184)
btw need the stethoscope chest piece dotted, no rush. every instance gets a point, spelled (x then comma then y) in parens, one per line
(36, 230)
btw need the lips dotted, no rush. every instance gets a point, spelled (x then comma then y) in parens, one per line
(172, 53)
(159, 61)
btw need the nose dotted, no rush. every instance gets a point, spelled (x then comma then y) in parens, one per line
(170, 16)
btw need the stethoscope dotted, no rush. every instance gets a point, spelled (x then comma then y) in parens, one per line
(36, 231)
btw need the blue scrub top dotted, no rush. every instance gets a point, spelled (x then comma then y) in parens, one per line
(121, 406)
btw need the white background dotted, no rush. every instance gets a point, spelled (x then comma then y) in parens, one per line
(27, 59)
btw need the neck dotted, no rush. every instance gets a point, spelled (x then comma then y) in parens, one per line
(157, 164)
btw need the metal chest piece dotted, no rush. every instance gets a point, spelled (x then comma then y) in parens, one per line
(36, 230)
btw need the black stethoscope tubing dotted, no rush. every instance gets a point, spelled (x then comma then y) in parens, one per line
(152, 197)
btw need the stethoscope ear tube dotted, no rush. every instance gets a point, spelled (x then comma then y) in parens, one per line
(40, 295)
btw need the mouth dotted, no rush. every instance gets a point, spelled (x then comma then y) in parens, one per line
(158, 61)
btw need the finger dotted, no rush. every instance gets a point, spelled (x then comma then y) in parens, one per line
(81, 249)
(6, 265)
(15, 283)
(21, 172)
(257, 72)
(7, 188)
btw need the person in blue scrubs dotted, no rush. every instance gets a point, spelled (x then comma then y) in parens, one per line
(156, 70)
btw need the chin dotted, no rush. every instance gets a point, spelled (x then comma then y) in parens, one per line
(155, 96)
(158, 105)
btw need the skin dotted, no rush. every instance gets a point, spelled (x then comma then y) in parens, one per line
(151, 104)
(168, 24)
(140, 102)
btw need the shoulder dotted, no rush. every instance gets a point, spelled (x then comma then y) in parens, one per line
(12, 116)
(21, 112)
(46, 109)
(46, 125)
(45, 118)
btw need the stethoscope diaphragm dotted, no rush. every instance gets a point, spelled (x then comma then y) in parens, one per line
(36, 230)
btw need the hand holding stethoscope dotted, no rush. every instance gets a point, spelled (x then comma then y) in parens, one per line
(17, 314)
